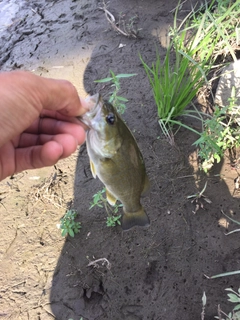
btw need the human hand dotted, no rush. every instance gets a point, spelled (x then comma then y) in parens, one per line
(38, 124)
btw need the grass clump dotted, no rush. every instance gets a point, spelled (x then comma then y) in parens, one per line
(195, 46)
(174, 87)
(176, 84)
(220, 21)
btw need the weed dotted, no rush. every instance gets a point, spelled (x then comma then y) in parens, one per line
(113, 221)
(233, 297)
(172, 85)
(219, 20)
(115, 99)
(129, 26)
(100, 201)
(125, 28)
(221, 132)
(201, 37)
(197, 199)
(68, 225)
(175, 84)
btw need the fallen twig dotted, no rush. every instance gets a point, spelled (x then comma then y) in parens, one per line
(111, 19)
(104, 262)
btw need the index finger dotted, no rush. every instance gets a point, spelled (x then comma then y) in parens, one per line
(61, 96)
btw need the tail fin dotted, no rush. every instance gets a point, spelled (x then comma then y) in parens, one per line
(132, 219)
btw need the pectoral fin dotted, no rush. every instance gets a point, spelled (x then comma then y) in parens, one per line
(93, 169)
(131, 219)
(110, 198)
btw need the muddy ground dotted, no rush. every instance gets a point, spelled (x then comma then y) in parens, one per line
(155, 273)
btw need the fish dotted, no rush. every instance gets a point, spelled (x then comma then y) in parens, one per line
(116, 160)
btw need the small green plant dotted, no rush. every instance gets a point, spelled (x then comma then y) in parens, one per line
(221, 132)
(115, 99)
(233, 297)
(100, 201)
(68, 225)
(113, 221)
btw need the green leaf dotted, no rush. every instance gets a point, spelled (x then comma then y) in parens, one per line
(233, 298)
(104, 80)
(71, 233)
(122, 99)
(64, 232)
(237, 307)
(226, 274)
(126, 75)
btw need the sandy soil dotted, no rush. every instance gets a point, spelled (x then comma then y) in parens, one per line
(156, 273)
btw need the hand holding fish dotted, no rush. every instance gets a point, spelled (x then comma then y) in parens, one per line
(38, 121)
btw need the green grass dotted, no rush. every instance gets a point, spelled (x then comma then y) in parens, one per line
(176, 78)
(217, 22)
(195, 45)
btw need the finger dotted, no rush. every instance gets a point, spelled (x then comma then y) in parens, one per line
(24, 95)
(7, 160)
(29, 140)
(46, 155)
(52, 127)
(57, 115)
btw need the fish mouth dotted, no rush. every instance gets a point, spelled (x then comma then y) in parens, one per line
(92, 107)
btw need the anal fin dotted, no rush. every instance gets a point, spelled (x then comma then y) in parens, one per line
(93, 169)
(110, 198)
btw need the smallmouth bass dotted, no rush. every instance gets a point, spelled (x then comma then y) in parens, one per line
(116, 160)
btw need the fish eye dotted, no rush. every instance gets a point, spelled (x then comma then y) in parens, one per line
(110, 118)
